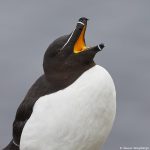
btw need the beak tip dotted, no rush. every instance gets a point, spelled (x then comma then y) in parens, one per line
(83, 20)
(101, 46)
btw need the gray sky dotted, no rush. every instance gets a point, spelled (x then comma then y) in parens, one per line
(28, 27)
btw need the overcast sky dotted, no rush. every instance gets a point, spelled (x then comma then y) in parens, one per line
(28, 27)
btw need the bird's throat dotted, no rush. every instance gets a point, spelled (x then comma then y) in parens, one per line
(80, 44)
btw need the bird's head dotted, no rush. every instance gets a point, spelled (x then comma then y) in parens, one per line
(68, 56)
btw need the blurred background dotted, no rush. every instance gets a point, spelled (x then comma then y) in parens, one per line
(28, 27)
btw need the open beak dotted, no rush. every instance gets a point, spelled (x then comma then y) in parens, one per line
(76, 39)
(80, 44)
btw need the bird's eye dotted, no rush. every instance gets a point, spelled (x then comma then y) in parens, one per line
(59, 51)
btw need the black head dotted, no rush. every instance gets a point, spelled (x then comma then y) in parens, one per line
(68, 56)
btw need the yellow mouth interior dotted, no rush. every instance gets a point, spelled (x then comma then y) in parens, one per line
(80, 43)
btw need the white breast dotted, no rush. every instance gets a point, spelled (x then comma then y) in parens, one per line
(79, 117)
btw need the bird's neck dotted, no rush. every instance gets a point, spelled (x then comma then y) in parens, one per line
(63, 79)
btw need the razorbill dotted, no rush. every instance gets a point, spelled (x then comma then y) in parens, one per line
(72, 105)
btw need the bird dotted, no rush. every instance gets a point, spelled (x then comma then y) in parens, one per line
(72, 106)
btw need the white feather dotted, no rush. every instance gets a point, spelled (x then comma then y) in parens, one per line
(78, 117)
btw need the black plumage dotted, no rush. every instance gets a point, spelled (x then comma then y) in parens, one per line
(61, 68)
